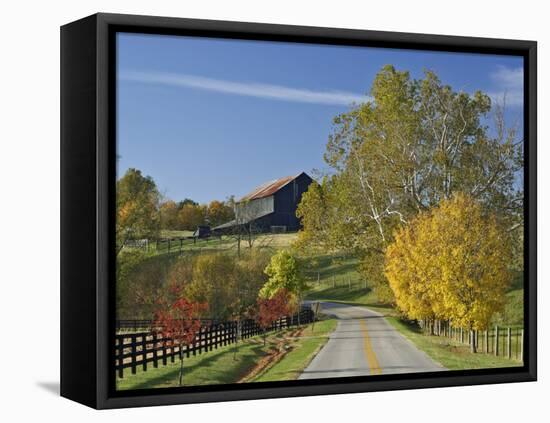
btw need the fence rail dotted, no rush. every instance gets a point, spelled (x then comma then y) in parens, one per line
(146, 325)
(138, 349)
(171, 244)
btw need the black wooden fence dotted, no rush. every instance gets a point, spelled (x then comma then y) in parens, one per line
(138, 349)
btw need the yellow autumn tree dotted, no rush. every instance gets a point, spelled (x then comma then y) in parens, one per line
(451, 263)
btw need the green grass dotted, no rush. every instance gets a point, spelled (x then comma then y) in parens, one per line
(358, 296)
(214, 367)
(170, 233)
(223, 366)
(451, 354)
(335, 278)
(303, 351)
(214, 244)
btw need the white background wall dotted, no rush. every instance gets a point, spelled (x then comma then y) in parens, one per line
(29, 208)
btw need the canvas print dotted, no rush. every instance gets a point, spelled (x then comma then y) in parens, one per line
(289, 211)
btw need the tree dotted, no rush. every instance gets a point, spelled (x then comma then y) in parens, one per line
(219, 212)
(272, 309)
(452, 263)
(191, 216)
(415, 144)
(244, 228)
(248, 281)
(168, 215)
(177, 319)
(137, 201)
(313, 214)
(213, 282)
(186, 202)
(284, 274)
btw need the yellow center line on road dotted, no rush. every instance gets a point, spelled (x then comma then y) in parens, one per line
(374, 366)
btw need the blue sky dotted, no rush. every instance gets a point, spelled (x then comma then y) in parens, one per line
(210, 118)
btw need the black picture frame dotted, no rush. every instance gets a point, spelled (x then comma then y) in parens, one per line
(88, 156)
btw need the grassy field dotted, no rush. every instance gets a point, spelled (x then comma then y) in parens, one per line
(214, 244)
(451, 354)
(335, 278)
(223, 366)
(170, 233)
(302, 352)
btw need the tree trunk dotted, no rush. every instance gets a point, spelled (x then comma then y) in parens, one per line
(181, 370)
(473, 346)
(237, 329)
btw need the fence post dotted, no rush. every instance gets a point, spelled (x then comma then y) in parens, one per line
(172, 352)
(349, 283)
(155, 353)
(133, 340)
(164, 362)
(120, 358)
(521, 346)
(200, 340)
(509, 346)
(496, 340)
(144, 351)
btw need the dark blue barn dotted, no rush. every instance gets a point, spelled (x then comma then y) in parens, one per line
(271, 207)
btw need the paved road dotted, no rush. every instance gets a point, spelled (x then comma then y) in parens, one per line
(364, 343)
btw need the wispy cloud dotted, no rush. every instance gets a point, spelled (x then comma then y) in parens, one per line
(509, 85)
(249, 89)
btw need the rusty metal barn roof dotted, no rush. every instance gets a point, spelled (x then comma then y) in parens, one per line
(269, 188)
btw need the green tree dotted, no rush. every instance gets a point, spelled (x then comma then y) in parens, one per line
(137, 202)
(415, 144)
(284, 273)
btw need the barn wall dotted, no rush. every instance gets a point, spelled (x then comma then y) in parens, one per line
(249, 210)
(287, 200)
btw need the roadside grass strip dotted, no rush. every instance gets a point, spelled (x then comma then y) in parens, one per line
(302, 350)
(449, 353)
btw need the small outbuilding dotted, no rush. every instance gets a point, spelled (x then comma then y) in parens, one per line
(202, 231)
